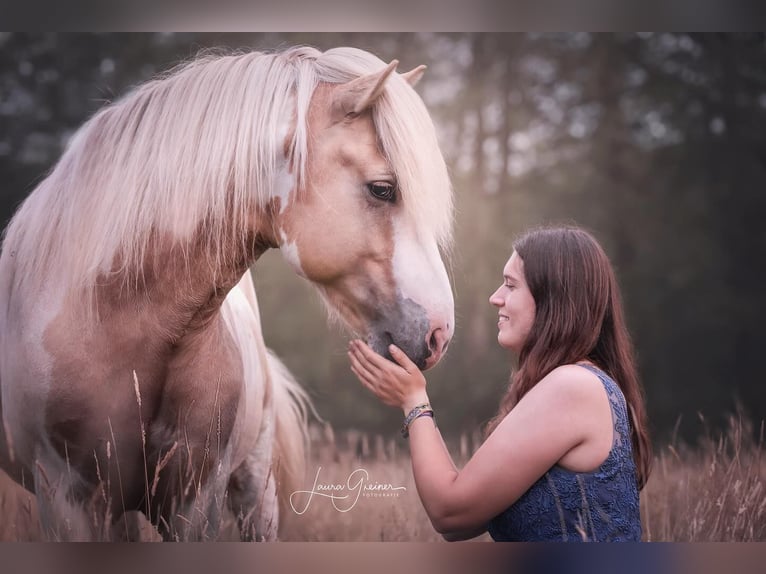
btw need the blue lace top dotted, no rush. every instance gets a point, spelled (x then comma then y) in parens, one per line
(567, 506)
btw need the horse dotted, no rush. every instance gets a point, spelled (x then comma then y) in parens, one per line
(133, 370)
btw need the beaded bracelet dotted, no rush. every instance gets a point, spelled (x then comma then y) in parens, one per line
(414, 412)
(418, 411)
(424, 413)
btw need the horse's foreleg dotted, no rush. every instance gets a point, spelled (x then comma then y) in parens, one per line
(253, 499)
(199, 516)
(188, 491)
(253, 490)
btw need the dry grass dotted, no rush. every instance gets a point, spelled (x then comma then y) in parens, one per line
(376, 517)
(713, 492)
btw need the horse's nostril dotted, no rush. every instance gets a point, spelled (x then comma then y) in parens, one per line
(438, 341)
(433, 344)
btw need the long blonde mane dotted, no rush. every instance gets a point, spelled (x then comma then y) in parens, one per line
(196, 151)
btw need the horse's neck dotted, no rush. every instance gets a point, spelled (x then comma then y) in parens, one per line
(181, 290)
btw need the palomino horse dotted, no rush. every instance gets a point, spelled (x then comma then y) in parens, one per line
(133, 371)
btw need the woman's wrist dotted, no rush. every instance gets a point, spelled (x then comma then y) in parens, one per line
(414, 400)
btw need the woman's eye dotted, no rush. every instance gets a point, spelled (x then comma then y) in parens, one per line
(382, 190)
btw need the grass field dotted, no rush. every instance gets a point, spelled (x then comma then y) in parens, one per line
(713, 492)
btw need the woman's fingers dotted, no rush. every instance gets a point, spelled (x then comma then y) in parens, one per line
(369, 379)
(371, 356)
(401, 357)
(386, 379)
(361, 369)
(370, 384)
(376, 361)
(366, 357)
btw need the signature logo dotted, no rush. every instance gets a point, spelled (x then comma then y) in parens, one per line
(344, 496)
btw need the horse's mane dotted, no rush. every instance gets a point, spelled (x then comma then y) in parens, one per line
(196, 150)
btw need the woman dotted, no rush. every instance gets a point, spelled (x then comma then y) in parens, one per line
(569, 449)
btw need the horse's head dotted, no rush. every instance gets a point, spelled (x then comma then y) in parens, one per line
(374, 206)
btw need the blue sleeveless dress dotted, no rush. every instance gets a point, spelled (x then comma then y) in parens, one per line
(567, 506)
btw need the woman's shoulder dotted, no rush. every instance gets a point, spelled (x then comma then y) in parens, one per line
(573, 391)
(574, 380)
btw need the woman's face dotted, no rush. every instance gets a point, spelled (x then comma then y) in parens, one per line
(515, 306)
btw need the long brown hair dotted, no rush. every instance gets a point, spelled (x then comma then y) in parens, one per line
(578, 316)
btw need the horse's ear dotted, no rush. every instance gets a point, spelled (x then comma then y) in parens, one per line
(353, 97)
(414, 75)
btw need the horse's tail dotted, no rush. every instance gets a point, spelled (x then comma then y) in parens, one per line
(291, 408)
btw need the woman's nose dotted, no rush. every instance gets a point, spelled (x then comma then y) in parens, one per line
(495, 299)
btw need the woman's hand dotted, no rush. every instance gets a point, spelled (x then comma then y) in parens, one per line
(399, 385)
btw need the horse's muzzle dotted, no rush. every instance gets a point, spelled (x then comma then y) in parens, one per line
(409, 328)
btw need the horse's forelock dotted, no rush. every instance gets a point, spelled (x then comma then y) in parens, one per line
(408, 139)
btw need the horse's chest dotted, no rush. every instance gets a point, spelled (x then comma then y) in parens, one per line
(122, 386)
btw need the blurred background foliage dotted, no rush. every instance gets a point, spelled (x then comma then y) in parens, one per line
(655, 142)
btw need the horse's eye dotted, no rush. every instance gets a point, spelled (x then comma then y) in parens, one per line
(383, 190)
